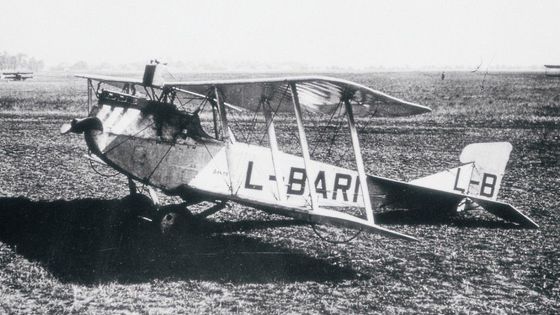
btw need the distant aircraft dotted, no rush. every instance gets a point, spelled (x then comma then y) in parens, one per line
(17, 76)
(552, 70)
(143, 131)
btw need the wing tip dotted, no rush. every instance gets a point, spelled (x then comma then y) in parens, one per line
(531, 224)
(525, 220)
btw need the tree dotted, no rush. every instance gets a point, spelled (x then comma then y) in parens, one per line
(20, 61)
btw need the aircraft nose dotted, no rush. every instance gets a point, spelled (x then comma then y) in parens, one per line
(82, 125)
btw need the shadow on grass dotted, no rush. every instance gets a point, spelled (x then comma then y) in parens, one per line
(431, 217)
(92, 241)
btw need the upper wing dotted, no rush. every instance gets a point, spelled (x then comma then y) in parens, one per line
(13, 73)
(316, 94)
(119, 82)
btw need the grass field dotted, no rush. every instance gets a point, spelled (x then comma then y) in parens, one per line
(63, 250)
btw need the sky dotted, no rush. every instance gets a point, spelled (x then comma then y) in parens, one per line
(349, 34)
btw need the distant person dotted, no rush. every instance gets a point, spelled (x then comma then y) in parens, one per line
(443, 75)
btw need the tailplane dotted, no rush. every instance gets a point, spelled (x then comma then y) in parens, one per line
(475, 184)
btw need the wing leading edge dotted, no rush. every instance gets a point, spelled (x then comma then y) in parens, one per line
(118, 82)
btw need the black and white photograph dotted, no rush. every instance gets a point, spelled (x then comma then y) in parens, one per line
(279, 157)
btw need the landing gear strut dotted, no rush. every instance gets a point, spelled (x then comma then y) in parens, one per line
(132, 187)
(168, 219)
(210, 211)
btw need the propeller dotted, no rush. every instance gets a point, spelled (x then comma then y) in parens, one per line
(82, 125)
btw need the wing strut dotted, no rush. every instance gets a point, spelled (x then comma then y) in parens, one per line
(274, 151)
(225, 135)
(215, 118)
(359, 161)
(304, 146)
(89, 97)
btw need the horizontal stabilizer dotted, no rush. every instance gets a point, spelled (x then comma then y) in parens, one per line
(507, 212)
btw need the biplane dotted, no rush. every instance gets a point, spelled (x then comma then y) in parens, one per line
(552, 70)
(17, 76)
(142, 129)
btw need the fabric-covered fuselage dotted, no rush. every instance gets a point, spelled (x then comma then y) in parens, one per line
(151, 141)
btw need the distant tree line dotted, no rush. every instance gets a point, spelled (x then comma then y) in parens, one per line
(20, 62)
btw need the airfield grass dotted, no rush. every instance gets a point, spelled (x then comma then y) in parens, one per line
(67, 244)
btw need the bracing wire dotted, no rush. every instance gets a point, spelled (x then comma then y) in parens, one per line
(129, 137)
(159, 163)
(274, 114)
(316, 140)
(91, 165)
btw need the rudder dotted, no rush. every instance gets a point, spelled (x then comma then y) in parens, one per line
(480, 175)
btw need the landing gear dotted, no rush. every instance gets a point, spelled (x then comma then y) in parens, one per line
(136, 228)
(174, 219)
(139, 205)
(466, 204)
(132, 187)
(168, 219)
(210, 211)
(169, 222)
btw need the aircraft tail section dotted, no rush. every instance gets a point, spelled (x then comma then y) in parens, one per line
(474, 184)
(480, 174)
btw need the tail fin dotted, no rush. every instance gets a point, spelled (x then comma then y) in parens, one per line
(480, 175)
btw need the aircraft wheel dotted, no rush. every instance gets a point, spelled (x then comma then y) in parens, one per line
(140, 206)
(174, 218)
(169, 222)
(137, 222)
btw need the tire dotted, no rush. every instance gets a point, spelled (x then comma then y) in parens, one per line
(137, 228)
(170, 222)
(174, 219)
(139, 204)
